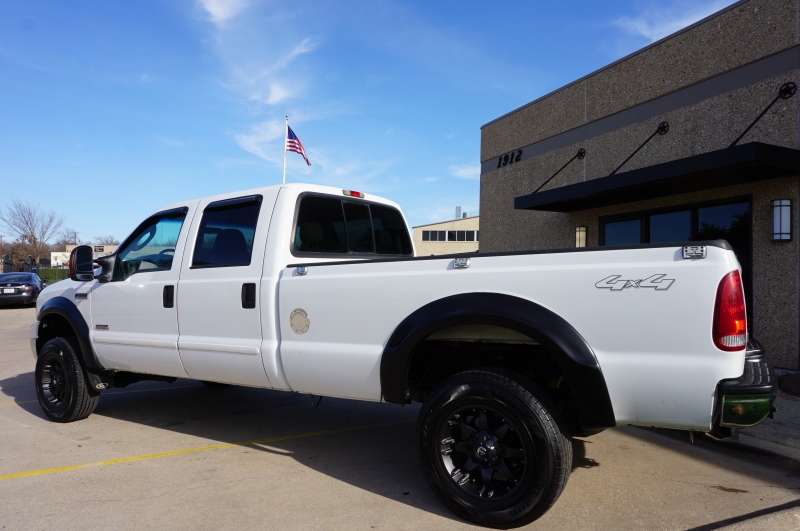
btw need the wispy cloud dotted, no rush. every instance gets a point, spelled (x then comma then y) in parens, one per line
(264, 83)
(657, 20)
(171, 142)
(260, 140)
(220, 11)
(471, 172)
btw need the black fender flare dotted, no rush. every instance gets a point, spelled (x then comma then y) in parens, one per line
(66, 308)
(557, 336)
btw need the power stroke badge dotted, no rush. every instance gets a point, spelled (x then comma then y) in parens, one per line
(615, 283)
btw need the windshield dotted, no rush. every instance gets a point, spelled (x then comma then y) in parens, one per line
(15, 277)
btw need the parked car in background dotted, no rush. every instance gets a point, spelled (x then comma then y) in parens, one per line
(19, 288)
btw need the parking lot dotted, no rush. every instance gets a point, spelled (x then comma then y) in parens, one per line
(188, 456)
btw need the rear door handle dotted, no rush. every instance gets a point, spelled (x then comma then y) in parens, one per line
(168, 296)
(248, 295)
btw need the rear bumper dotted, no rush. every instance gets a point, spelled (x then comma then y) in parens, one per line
(25, 298)
(747, 400)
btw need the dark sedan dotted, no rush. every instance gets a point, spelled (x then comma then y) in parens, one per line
(19, 288)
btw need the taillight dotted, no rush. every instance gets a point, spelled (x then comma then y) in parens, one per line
(730, 316)
(28, 288)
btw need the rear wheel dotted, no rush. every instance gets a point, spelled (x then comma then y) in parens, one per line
(61, 385)
(492, 448)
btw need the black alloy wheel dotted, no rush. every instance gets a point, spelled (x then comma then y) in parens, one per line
(483, 451)
(61, 384)
(53, 382)
(493, 448)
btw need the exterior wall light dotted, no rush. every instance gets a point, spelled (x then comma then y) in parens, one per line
(781, 220)
(580, 236)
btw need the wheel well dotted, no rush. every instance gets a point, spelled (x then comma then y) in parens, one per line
(53, 325)
(447, 352)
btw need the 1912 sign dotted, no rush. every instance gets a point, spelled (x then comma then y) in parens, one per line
(509, 158)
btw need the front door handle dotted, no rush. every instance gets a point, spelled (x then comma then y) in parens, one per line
(248, 295)
(168, 297)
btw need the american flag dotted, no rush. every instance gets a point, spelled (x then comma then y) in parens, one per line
(293, 144)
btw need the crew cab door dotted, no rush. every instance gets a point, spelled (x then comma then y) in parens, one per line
(134, 318)
(218, 307)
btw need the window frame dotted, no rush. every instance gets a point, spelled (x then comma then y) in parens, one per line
(135, 234)
(644, 217)
(348, 254)
(225, 203)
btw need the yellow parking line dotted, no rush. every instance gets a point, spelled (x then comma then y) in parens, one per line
(109, 393)
(17, 402)
(192, 450)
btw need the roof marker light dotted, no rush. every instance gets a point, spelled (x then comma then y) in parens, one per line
(353, 193)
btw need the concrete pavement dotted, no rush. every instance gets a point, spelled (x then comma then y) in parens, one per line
(161, 456)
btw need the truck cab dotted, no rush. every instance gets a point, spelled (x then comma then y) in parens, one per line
(205, 266)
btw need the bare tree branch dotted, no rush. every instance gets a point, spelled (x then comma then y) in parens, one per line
(106, 240)
(31, 225)
(66, 236)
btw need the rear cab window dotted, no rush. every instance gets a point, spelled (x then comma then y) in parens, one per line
(329, 226)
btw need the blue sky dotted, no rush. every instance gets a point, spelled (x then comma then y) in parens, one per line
(111, 109)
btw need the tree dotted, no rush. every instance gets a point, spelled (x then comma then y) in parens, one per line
(106, 240)
(66, 236)
(31, 225)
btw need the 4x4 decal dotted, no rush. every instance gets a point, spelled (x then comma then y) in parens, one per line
(615, 283)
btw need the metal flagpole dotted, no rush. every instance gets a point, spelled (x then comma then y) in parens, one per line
(285, 139)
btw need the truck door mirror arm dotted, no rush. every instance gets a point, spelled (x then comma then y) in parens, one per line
(106, 264)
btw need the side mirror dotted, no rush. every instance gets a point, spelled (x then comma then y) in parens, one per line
(80, 264)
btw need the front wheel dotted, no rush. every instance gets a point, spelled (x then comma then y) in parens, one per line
(61, 385)
(492, 448)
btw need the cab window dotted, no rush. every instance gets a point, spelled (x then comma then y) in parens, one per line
(391, 235)
(151, 247)
(328, 226)
(226, 234)
(320, 226)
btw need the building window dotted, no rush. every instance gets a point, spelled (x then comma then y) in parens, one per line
(623, 232)
(450, 236)
(670, 227)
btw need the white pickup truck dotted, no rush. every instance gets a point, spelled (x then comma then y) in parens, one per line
(317, 290)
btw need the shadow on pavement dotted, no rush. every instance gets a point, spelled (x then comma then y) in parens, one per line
(706, 448)
(379, 456)
(746, 517)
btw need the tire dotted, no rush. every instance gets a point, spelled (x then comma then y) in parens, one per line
(493, 447)
(61, 384)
